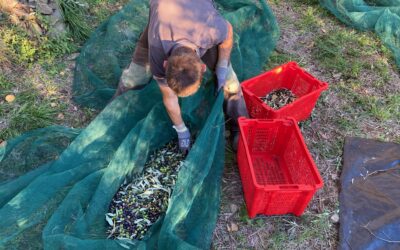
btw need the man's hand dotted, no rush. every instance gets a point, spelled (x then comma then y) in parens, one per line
(224, 52)
(183, 137)
(221, 72)
(172, 106)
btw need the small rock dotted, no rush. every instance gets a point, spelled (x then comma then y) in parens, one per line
(72, 57)
(43, 8)
(310, 45)
(58, 27)
(53, 104)
(53, 5)
(337, 76)
(335, 218)
(234, 208)
(234, 227)
(62, 73)
(32, 4)
(60, 116)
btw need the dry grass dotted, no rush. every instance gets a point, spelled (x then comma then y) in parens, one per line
(362, 101)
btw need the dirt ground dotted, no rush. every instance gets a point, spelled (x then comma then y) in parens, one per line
(335, 117)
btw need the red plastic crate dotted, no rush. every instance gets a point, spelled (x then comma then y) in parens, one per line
(306, 87)
(277, 171)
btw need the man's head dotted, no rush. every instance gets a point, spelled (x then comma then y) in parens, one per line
(184, 71)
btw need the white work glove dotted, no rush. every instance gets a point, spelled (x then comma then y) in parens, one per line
(227, 78)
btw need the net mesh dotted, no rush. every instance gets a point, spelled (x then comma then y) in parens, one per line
(56, 197)
(381, 16)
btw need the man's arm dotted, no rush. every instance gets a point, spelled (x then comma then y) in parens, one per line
(225, 48)
(171, 104)
(224, 53)
(170, 100)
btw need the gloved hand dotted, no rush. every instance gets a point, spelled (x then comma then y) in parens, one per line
(183, 137)
(221, 72)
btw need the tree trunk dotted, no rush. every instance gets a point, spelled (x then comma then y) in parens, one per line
(21, 15)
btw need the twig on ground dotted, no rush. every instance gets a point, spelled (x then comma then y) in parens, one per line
(380, 238)
(256, 232)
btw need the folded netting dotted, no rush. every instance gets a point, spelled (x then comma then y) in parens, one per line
(381, 16)
(60, 203)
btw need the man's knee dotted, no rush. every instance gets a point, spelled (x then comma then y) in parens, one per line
(135, 75)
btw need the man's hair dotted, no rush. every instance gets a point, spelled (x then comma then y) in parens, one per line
(183, 69)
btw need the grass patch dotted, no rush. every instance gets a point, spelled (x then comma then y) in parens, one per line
(349, 52)
(311, 19)
(330, 51)
(26, 50)
(38, 100)
(278, 58)
(75, 16)
(318, 226)
(100, 10)
(295, 231)
(278, 239)
(383, 108)
(32, 108)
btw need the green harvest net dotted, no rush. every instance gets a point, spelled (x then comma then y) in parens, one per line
(57, 183)
(381, 16)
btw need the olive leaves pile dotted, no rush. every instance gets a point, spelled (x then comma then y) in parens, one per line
(137, 205)
(279, 98)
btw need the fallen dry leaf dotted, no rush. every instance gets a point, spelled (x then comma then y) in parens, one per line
(234, 208)
(10, 98)
(234, 227)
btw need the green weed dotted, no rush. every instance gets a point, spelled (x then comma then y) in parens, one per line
(383, 108)
(26, 50)
(309, 21)
(26, 113)
(19, 44)
(316, 226)
(75, 16)
(52, 48)
(308, 2)
(278, 239)
(5, 85)
(243, 216)
(30, 109)
(346, 52)
(278, 58)
(100, 10)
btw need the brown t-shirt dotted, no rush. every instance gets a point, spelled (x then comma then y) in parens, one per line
(174, 23)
